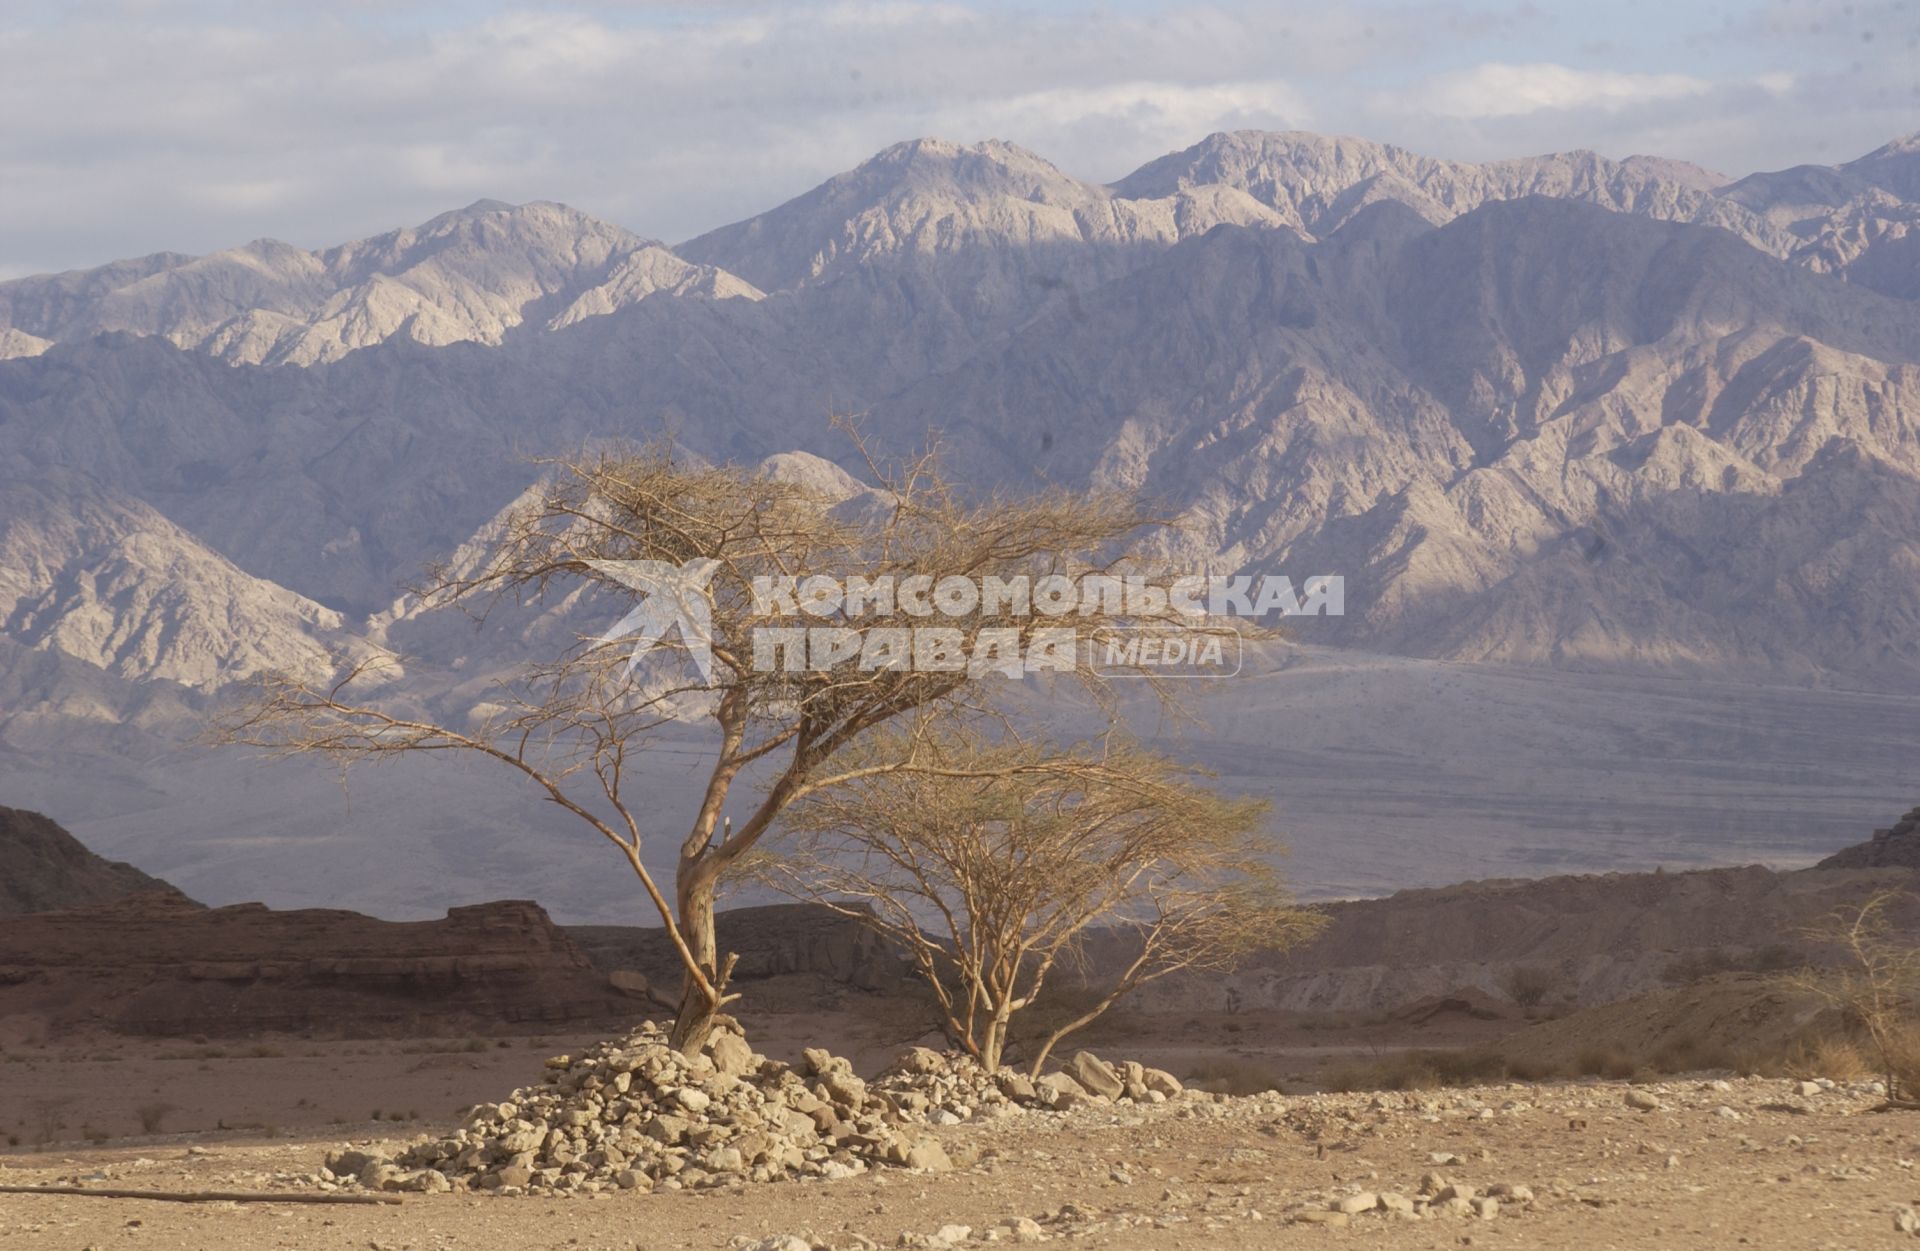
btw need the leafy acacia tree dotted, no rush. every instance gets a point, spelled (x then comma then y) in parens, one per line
(572, 724)
(993, 865)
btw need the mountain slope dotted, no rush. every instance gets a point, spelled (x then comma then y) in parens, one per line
(473, 275)
(106, 580)
(45, 869)
(1543, 433)
(1316, 182)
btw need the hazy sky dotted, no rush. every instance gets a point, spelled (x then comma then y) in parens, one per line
(133, 126)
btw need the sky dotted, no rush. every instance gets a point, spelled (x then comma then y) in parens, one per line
(135, 126)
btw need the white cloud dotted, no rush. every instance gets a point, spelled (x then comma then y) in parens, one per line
(1496, 89)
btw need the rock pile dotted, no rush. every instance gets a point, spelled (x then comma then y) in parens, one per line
(948, 1088)
(634, 1114)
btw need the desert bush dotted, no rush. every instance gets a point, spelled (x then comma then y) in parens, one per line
(1875, 983)
(1528, 1069)
(1694, 1055)
(152, 1116)
(1827, 1055)
(1606, 1061)
(1529, 984)
(1234, 1076)
(94, 1135)
(1420, 1070)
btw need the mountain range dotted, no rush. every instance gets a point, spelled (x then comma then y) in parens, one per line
(1568, 412)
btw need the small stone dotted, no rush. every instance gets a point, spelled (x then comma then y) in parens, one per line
(1642, 1101)
(1353, 1205)
(693, 1100)
(1906, 1220)
(929, 1155)
(782, 1242)
(1332, 1220)
(1397, 1204)
(952, 1235)
(731, 1055)
(1486, 1208)
(1806, 1090)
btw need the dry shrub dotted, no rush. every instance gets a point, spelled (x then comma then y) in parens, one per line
(1420, 1070)
(1525, 1069)
(152, 1116)
(1691, 1055)
(1827, 1055)
(1234, 1076)
(1612, 1062)
(1529, 984)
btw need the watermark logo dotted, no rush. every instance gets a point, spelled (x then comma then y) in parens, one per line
(1164, 651)
(675, 595)
(1013, 626)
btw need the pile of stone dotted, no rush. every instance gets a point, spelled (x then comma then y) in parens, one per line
(634, 1114)
(948, 1088)
(1437, 1196)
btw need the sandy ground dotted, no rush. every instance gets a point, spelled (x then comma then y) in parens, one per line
(1718, 1164)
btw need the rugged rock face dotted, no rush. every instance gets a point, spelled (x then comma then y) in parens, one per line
(45, 869)
(1897, 846)
(771, 940)
(160, 965)
(472, 275)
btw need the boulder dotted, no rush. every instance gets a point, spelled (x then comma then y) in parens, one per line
(1096, 1075)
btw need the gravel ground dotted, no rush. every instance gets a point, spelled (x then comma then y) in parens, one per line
(1753, 1162)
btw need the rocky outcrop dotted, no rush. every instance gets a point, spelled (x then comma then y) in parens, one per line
(771, 940)
(1895, 847)
(44, 869)
(159, 965)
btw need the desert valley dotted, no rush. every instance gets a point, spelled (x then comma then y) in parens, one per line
(428, 820)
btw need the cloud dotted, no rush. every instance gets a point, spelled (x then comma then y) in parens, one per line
(1501, 90)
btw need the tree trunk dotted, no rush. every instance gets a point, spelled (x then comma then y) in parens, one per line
(699, 1005)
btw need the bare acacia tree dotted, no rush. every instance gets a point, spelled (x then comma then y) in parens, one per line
(995, 863)
(571, 724)
(1875, 984)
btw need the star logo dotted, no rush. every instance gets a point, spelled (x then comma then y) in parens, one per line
(676, 595)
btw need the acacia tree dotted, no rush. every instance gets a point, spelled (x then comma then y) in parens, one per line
(573, 723)
(993, 865)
